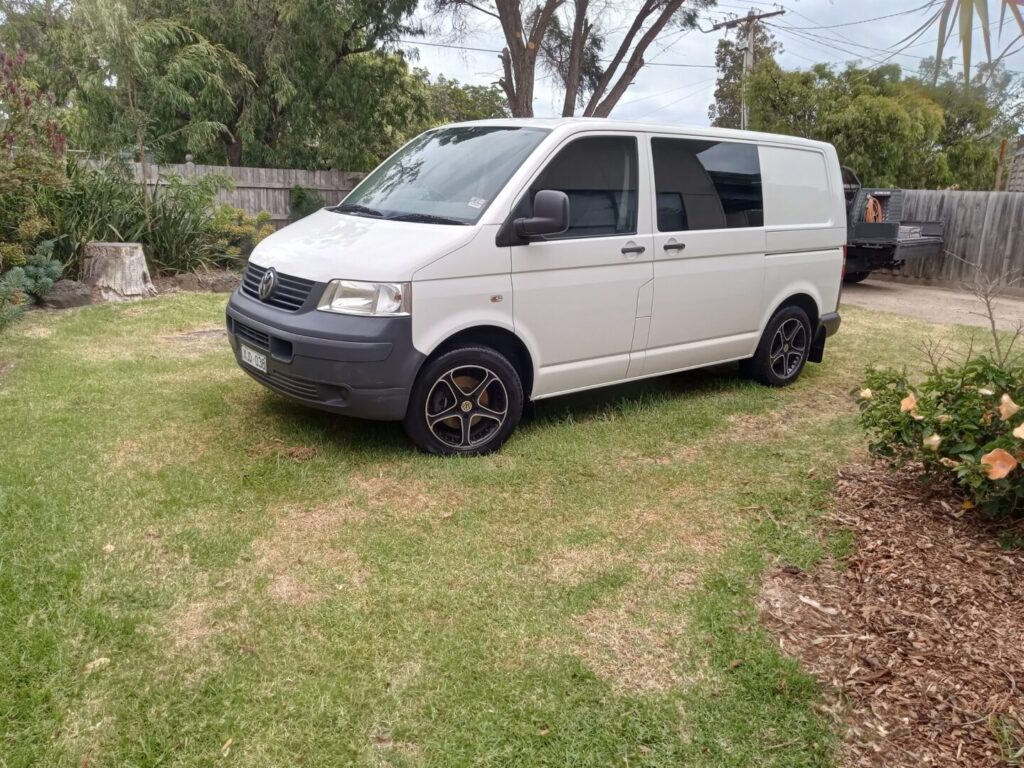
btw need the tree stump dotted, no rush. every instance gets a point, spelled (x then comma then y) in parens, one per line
(117, 271)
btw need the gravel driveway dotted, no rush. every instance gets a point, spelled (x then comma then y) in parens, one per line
(936, 305)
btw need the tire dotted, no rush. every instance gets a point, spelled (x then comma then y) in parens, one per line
(855, 277)
(465, 402)
(783, 350)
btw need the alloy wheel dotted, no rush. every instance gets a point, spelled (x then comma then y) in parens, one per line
(466, 406)
(789, 348)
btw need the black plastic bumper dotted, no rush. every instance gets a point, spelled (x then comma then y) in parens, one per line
(828, 325)
(357, 366)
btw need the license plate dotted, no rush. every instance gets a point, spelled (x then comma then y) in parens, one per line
(254, 359)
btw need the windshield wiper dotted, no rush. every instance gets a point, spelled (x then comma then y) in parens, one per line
(356, 208)
(426, 218)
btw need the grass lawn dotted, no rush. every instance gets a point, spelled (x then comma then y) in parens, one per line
(194, 571)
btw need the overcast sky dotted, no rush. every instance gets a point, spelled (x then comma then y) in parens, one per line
(681, 95)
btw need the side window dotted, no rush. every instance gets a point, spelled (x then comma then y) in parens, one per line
(706, 185)
(599, 174)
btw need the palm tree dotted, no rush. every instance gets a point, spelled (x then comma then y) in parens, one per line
(950, 12)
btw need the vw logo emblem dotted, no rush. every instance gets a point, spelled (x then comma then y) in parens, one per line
(268, 283)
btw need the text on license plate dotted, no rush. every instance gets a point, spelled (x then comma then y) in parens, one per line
(254, 359)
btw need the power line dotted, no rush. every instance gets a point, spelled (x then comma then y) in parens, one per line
(700, 87)
(877, 55)
(666, 92)
(498, 51)
(868, 21)
(750, 18)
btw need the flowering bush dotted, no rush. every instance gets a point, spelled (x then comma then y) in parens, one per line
(962, 420)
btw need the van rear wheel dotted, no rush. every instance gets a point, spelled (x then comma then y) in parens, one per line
(466, 401)
(783, 350)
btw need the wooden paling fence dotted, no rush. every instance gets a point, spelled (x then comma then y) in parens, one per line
(984, 235)
(984, 230)
(263, 189)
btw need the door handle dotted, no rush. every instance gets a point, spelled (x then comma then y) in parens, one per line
(633, 250)
(673, 246)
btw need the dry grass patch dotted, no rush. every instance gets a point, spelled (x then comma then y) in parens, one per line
(637, 643)
(196, 341)
(279, 448)
(85, 728)
(173, 445)
(812, 407)
(300, 563)
(575, 565)
(683, 520)
(36, 331)
(194, 624)
(635, 648)
(631, 461)
(387, 490)
(299, 555)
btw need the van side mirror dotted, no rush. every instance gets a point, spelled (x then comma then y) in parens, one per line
(550, 215)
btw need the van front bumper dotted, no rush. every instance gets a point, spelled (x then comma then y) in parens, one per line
(357, 366)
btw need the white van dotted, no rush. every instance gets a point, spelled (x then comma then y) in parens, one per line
(492, 262)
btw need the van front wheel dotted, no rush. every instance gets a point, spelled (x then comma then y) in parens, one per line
(783, 350)
(467, 401)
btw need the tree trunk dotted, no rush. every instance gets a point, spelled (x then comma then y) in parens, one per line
(117, 271)
(233, 150)
(580, 33)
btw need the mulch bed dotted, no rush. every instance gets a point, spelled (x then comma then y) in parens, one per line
(919, 634)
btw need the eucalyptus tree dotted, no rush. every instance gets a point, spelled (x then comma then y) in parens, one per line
(893, 130)
(324, 90)
(139, 80)
(568, 37)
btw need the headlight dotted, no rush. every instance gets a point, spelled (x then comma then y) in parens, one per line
(352, 297)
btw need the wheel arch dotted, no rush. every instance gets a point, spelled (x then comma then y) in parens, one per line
(798, 298)
(499, 339)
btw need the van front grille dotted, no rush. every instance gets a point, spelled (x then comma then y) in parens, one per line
(289, 385)
(290, 294)
(251, 335)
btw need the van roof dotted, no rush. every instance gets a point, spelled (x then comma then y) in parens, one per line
(583, 123)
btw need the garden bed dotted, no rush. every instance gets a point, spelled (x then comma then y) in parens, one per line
(918, 631)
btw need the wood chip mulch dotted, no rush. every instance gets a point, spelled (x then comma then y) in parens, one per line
(919, 634)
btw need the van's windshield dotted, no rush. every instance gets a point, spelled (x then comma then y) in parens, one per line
(445, 176)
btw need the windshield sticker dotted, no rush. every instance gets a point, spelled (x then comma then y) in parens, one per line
(476, 202)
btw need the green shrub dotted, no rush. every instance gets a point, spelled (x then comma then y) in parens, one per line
(96, 205)
(12, 296)
(962, 421)
(31, 151)
(236, 233)
(303, 201)
(180, 226)
(41, 270)
(178, 236)
(11, 255)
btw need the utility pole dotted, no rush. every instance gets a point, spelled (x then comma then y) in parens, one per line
(750, 20)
